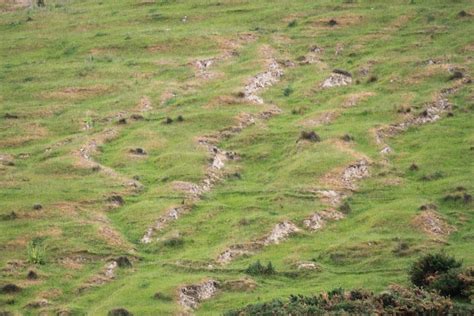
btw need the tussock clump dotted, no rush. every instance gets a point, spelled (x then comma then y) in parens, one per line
(122, 121)
(32, 275)
(116, 200)
(460, 195)
(37, 206)
(168, 120)
(292, 23)
(9, 116)
(258, 269)
(347, 138)
(138, 151)
(401, 249)
(429, 206)
(174, 242)
(9, 217)
(413, 167)
(433, 176)
(456, 75)
(372, 79)
(310, 136)
(123, 262)
(10, 289)
(119, 312)
(404, 109)
(463, 14)
(180, 118)
(345, 208)
(137, 117)
(342, 72)
(162, 297)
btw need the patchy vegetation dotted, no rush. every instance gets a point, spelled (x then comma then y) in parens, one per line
(155, 156)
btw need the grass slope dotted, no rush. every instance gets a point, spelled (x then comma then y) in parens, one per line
(77, 63)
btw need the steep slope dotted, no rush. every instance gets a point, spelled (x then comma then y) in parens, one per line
(150, 151)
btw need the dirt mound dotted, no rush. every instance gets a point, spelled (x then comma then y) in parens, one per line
(262, 80)
(171, 215)
(331, 197)
(144, 105)
(240, 285)
(191, 189)
(336, 79)
(318, 220)
(433, 224)
(430, 114)
(280, 232)
(191, 295)
(238, 250)
(358, 170)
(308, 266)
(320, 119)
(106, 275)
(355, 98)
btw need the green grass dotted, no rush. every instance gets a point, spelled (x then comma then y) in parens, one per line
(120, 51)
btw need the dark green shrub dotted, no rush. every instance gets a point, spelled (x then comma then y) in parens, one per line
(287, 91)
(258, 269)
(423, 271)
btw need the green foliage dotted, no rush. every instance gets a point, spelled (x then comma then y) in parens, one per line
(396, 300)
(36, 251)
(287, 91)
(431, 265)
(258, 269)
(292, 23)
(442, 273)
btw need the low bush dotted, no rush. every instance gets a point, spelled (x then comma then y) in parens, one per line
(36, 252)
(442, 273)
(258, 269)
(395, 301)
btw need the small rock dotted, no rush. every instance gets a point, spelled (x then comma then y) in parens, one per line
(37, 206)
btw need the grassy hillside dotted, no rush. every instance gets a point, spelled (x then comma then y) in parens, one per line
(180, 121)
